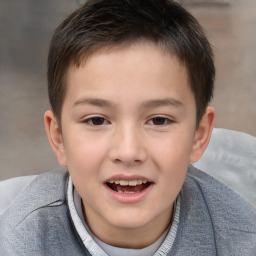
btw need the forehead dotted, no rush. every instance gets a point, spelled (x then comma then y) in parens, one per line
(141, 68)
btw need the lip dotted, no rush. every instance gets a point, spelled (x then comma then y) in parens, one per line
(128, 198)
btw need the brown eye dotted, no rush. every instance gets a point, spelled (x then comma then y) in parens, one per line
(96, 121)
(159, 121)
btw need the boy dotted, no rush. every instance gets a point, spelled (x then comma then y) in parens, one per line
(129, 85)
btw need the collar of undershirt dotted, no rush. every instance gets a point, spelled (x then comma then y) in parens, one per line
(96, 247)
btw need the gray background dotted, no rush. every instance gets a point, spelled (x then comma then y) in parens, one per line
(25, 30)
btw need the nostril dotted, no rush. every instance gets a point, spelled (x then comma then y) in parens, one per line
(128, 161)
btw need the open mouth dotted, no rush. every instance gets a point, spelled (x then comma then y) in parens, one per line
(128, 186)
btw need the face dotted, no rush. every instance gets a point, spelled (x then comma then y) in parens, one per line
(128, 133)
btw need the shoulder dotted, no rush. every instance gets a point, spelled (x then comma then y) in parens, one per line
(38, 221)
(227, 216)
(33, 213)
(36, 193)
(218, 197)
(32, 192)
(15, 189)
(11, 188)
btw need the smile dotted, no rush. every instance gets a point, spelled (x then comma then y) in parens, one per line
(128, 186)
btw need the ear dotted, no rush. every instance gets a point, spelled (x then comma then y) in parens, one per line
(203, 134)
(55, 137)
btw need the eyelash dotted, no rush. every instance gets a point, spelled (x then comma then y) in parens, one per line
(96, 121)
(99, 121)
(163, 121)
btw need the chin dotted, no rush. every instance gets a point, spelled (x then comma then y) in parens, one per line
(131, 220)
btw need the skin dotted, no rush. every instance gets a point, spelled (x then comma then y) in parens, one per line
(145, 114)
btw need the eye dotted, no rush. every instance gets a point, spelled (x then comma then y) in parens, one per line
(96, 121)
(159, 120)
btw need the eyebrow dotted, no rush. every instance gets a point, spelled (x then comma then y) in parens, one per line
(147, 104)
(162, 102)
(93, 101)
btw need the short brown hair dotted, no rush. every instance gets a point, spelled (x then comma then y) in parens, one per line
(104, 23)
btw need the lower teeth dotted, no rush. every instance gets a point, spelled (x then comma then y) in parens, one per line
(126, 192)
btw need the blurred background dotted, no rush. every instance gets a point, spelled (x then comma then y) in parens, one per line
(26, 27)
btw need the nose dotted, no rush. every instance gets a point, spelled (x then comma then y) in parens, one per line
(128, 147)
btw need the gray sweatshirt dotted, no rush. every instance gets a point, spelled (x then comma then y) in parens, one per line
(213, 220)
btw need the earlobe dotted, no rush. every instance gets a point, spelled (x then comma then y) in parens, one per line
(55, 138)
(203, 134)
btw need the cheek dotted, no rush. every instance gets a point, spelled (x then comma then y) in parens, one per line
(84, 155)
(84, 167)
(171, 155)
(172, 163)
(173, 149)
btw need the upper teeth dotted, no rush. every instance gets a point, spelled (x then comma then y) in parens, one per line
(128, 182)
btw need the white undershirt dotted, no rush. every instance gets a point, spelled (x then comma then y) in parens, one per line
(97, 247)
